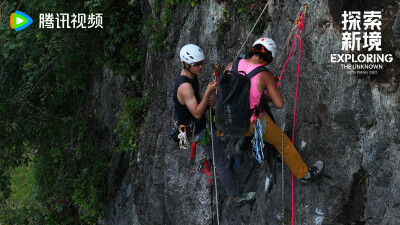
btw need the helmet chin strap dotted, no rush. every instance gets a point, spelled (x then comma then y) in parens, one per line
(188, 69)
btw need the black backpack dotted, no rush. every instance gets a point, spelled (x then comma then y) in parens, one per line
(232, 111)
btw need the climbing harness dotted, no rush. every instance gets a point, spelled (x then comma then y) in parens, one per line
(258, 143)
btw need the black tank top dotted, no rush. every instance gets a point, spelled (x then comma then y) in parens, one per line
(181, 112)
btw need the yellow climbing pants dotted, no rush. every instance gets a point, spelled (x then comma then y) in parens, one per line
(273, 135)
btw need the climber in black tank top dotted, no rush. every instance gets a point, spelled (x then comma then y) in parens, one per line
(181, 112)
(189, 108)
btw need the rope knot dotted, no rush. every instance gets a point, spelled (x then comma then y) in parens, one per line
(301, 25)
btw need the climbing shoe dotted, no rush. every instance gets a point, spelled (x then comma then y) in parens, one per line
(313, 172)
(244, 198)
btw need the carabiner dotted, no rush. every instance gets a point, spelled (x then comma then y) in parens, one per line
(298, 18)
(182, 126)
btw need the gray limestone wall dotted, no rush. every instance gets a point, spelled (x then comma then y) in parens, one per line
(349, 122)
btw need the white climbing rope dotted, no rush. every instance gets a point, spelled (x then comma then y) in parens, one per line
(294, 26)
(265, 7)
(214, 165)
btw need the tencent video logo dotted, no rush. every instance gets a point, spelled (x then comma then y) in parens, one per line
(20, 20)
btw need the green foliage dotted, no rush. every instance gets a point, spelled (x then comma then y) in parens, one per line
(130, 124)
(226, 12)
(45, 81)
(222, 27)
(20, 208)
(157, 23)
(122, 47)
(22, 181)
(90, 185)
(250, 10)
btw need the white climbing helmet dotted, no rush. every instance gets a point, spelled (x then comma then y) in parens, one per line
(191, 53)
(268, 43)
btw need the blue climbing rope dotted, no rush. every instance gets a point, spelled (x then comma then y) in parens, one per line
(258, 143)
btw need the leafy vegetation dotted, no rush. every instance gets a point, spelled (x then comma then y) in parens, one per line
(52, 167)
(156, 24)
(249, 10)
(130, 124)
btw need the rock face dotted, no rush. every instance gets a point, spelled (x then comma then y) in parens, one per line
(351, 123)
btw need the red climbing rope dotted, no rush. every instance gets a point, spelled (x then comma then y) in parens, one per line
(287, 60)
(300, 27)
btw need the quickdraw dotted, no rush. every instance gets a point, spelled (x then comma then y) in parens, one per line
(258, 143)
(216, 74)
(183, 141)
(298, 20)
